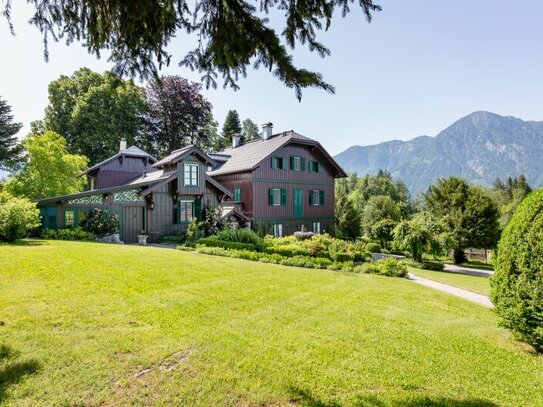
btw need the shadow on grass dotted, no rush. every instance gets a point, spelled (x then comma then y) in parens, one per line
(303, 397)
(12, 371)
(25, 242)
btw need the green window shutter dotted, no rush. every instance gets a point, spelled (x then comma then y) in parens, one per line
(310, 166)
(270, 196)
(274, 162)
(237, 195)
(321, 197)
(319, 167)
(291, 162)
(283, 196)
(302, 163)
(198, 209)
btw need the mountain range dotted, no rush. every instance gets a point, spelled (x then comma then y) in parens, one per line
(479, 147)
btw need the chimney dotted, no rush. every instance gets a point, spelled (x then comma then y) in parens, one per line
(267, 129)
(122, 147)
(236, 140)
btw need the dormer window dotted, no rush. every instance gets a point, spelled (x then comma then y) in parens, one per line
(191, 175)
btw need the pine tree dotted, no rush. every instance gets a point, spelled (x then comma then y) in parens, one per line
(8, 142)
(231, 126)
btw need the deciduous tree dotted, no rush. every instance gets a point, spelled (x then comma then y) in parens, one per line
(94, 112)
(249, 130)
(178, 115)
(469, 213)
(47, 169)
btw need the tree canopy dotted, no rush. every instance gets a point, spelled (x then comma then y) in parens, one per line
(178, 115)
(469, 213)
(47, 168)
(231, 35)
(249, 130)
(94, 112)
(9, 149)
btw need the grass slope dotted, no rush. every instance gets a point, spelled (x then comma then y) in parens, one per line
(477, 284)
(81, 320)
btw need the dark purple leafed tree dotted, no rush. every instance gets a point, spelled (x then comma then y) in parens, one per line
(178, 115)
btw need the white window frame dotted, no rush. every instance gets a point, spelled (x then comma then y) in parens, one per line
(72, 218)
(191, 174)
(186, 216)
(277, 230)
(296, 163)
(317, 193)
(276, 194)
(317, 228)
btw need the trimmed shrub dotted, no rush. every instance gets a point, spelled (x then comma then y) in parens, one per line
(214, 241)
(517, 284)
(373, 247)
(289, 250)
(427, 265)
(242, 235)
(17, 217)
(392, 267)
(101, 223)
(341, 257)
(67, 234)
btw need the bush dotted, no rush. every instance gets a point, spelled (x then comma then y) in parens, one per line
(195, 231)
(17, 216)
(386, 267)
(373, 247)
(427, 265)
(341, 257)
(214, 241)
(289, 250)
(392, 267)
(174, 239)
(67, 234)
(101, 223)
(242, 235)
(516, 287)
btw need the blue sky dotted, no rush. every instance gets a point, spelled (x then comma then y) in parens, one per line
(418, 67)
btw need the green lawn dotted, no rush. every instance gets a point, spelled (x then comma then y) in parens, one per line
(81, 320)
(477, 284)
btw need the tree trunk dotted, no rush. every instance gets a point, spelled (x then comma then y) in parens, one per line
(459, 256)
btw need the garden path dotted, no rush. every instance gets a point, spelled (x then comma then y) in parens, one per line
(459, 292)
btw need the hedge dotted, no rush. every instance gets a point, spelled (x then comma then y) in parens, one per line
(517, 284)
(214, 241)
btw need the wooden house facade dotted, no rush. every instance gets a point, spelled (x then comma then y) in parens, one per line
(285, 181)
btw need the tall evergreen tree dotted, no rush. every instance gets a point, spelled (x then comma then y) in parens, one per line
(232, 35)
(9, 149)
(231, 126)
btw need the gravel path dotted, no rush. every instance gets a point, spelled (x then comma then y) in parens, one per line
(459, 292)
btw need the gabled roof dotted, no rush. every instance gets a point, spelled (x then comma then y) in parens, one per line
(249, 155)
(219, 186)
(131, 151)
(178, 155)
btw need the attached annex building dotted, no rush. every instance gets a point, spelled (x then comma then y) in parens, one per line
(283, 180)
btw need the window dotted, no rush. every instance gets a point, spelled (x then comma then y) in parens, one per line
(186, 211)
(92, 183)
(316, 197)
(237, 194)
(297, 163)
(69, 218)
(82, 215)
(191, 175)
(277, 163)
(315, 166)
(317, 227)
(277, 196)
(278, 230)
